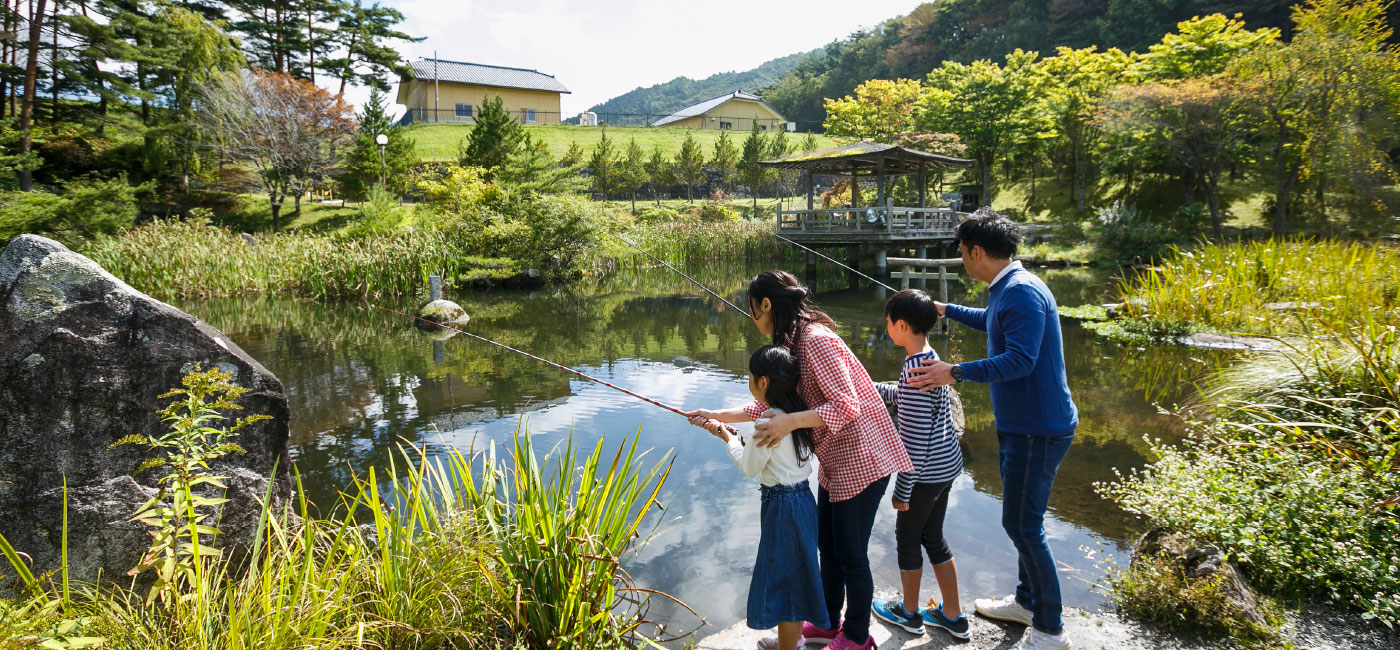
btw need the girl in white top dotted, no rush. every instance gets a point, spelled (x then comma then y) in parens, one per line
(786, 588)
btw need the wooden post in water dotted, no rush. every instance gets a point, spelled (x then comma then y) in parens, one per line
(943, 295)
(434, 287)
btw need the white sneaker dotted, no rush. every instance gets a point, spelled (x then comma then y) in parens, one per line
(771, 643)
(1036, 640)
(1006, 609)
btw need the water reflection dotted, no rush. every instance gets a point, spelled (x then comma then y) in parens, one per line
(360, 381)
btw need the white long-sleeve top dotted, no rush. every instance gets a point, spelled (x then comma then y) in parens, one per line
(772, 465)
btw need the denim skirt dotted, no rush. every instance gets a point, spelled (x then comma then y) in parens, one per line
(787, 581)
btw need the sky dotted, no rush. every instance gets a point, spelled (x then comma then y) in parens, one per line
(600, 49)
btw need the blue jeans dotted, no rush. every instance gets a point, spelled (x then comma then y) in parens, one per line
(1028, 467)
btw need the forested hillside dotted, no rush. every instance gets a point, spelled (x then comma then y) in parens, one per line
(967, 30)
(669, 97)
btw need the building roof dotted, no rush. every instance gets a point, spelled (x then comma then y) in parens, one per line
(478, 74)
(711, 104)
(865, 156)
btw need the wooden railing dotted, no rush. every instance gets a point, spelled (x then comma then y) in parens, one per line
(877, 219)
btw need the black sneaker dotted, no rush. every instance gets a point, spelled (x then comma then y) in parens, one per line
(893, 613)
(933, 616)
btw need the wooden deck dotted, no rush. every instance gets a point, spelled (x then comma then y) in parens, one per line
(852, 226)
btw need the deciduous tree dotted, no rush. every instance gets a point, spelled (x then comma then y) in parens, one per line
(289, 132)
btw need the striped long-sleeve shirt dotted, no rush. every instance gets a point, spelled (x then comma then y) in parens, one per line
(926, 426)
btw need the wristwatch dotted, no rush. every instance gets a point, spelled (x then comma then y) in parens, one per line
(957, 372)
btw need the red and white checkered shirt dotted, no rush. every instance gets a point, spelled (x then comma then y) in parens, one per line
(859, 444)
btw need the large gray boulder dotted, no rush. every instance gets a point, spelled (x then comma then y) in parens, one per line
(83, 359)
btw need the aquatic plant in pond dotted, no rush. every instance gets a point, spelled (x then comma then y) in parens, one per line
(1269, 287)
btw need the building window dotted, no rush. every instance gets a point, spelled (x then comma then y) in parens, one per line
(726, 125)
(464, 110)
(529, 116)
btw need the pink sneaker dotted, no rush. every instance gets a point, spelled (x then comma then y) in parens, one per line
(842, 643)
(817, 637)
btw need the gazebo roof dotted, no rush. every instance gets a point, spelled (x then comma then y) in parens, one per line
(865, 156)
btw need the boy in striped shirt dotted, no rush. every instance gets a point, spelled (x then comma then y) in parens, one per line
(921, 496)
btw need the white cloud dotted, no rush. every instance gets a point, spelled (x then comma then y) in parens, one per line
(603, 49)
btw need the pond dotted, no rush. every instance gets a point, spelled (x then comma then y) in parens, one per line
(360, 381)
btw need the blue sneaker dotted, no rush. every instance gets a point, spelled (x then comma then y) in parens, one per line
(893, 613)
(933, 616)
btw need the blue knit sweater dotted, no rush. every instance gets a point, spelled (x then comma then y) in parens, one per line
(1025, 361)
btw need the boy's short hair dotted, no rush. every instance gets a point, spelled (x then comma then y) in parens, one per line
(913, 307)
(996, 234)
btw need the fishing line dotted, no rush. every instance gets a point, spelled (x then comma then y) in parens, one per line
(886, 286)
(543, 360)
(692, 280)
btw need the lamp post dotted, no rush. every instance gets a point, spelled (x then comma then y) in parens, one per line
(381, 140)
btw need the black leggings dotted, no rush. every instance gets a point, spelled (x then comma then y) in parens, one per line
(843, 535)
(922, 526)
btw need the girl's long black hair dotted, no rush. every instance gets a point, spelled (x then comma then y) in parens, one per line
(777, 364)
(790, 306)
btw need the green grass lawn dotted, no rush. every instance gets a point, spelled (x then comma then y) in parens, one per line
(438, 142)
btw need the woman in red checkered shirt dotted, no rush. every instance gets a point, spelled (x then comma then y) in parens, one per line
(858, 447)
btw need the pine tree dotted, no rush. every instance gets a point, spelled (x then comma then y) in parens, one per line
(603, 165)
(531, 170)
(659, 173)
(724, 159)
(360, 39)
(777, 148)
(752, 175)
(494, 138)
(690, 165)
(363, 165)
(809, 143)
(572, 157)
(632, 171)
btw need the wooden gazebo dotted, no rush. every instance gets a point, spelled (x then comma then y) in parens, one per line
(880, 225)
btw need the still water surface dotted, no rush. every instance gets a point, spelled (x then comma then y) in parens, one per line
(359, 380)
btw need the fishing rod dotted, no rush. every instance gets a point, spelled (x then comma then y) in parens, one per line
(543, 360)
(886, 286)
(678, 271)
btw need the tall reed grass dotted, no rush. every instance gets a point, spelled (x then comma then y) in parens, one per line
(1270, 287)
(696, 241)
(193, 259)
(440, 550)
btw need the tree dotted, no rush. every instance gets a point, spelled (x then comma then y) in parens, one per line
(632, 171)
(289, 132)
(985, 104)
(493, 139)
(690, 165)
(1200, 121)
(778, 146)
(880, 111)
(574, 155)
(365, 59)
(603, 165)
(531, 170)
(809, 142)
(1202, 46)
(659, 173)
(752, 175)
(26, 114)
(724, 159)
(363, 162)
(1075, 83)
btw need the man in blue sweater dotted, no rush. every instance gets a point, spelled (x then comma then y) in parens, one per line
(1035, 416)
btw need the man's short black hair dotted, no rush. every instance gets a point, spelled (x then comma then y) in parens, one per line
(913, 307)
(996, 234)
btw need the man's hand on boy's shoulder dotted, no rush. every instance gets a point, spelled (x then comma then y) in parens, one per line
(932, 374)
(899, 505)
(942, 308)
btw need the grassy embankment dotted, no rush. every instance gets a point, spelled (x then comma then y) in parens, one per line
(440, 142)
(1293, 463)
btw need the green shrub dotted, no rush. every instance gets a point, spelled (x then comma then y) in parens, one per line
(79, 211)
(657, 214)
(1296, 471)
(715, 212)
(1128, 233)
(1156, 590)
(380, 212)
